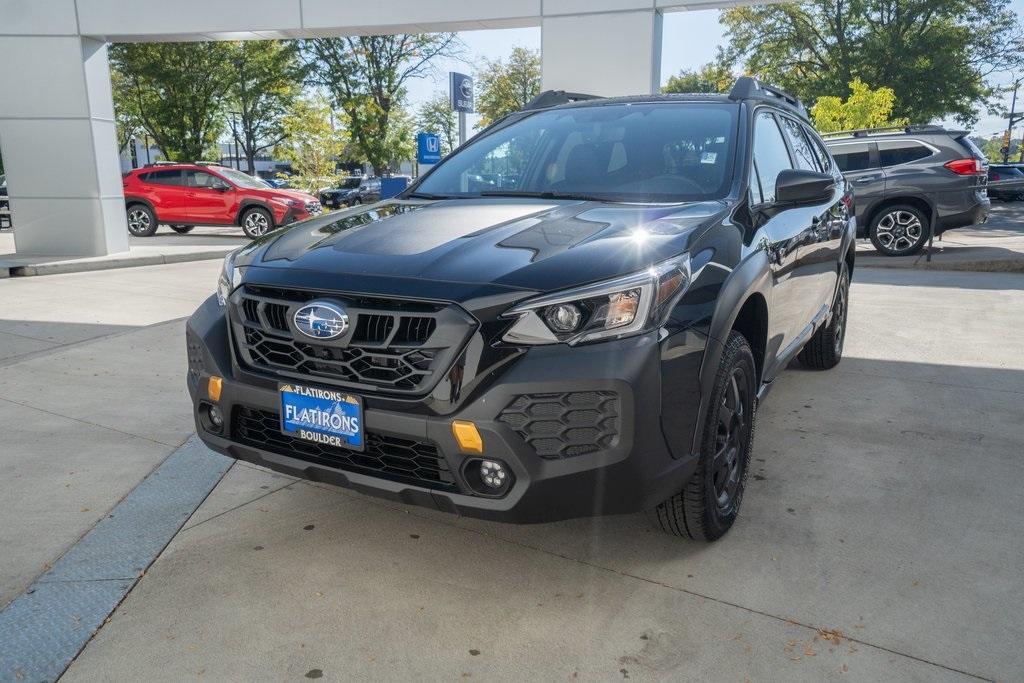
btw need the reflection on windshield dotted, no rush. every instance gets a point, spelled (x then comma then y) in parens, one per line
(243, 179)
(652, 152)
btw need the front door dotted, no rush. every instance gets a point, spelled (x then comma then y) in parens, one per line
(210, 198)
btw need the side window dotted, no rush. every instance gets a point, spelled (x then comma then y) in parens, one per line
(819, 150)
(852, 157)
(164, 177)
(771, 157)
(805, 158)
(202, 179)
(892, 153)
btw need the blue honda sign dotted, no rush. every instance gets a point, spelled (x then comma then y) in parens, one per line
(428, 148)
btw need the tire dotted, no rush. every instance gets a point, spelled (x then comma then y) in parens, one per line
(825, 349)
(256, 222)
(899, 230)
(182, 229)
(141, 220)
(708, 505)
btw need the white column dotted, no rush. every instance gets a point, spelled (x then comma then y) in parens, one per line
(601, 47)
(57, 136)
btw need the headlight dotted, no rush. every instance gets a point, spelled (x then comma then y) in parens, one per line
(606, 310)
(230, 277)
(290, 203)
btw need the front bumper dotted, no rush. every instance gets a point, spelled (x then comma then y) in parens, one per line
(632, 471)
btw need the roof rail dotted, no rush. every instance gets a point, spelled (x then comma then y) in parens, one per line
(865, 132)
(748, 88)
(207, 163)
(553, 98)
(160, 163)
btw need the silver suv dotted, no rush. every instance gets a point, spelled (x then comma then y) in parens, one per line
(910, 181)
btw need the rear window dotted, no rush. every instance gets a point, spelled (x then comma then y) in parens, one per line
(163, 177)
(972, 148)
(852, 157)
(896, 152)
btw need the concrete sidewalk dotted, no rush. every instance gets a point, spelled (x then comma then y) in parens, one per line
(878, 540)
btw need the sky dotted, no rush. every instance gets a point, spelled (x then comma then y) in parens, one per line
(689, 39)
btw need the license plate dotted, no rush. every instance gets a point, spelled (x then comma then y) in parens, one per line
(325, 416)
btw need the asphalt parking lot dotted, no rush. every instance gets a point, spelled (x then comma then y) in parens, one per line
(879, 540)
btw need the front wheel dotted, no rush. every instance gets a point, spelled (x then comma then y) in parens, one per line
(825, 349)
(899, 230)
(257, 222)
(141, 220)
(182, 229)
(710, 502)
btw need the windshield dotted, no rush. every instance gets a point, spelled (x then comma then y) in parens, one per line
(242, 179)
(350, 183)
(661, 152)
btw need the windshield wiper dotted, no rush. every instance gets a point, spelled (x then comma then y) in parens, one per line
(428, 195)
(546, 194)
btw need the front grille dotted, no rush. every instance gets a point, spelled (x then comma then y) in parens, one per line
(565, 425)
(397, 346)
(196, 365)
(388, 457)
(314, 208)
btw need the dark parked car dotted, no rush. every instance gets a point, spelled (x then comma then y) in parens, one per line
(594, 340)
(1006, 182)
(906, 180)
(347, 193)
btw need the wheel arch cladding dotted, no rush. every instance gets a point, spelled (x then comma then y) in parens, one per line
(919, 203)
(252, 204)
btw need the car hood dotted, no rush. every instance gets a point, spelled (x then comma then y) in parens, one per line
(520, 244)
(281, 193)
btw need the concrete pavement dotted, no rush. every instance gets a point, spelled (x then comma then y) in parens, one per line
(882, 504)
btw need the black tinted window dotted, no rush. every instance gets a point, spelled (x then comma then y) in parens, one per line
(164, 177)
(805, 157)
(819, 151)
(770, 155)
(893, 153)
(853, 157)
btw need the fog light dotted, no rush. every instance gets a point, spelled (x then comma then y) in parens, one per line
(493, 473)
(216, 417)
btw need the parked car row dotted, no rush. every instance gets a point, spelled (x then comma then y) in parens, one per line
(910, 181)
(1006, 182)
(350, 192)
(186, 195)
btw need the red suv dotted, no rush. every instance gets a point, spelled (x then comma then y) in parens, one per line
(185, 195)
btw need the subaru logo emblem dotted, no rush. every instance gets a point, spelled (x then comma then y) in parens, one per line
(321, 320)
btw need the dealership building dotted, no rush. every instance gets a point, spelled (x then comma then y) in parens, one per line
(55, 94)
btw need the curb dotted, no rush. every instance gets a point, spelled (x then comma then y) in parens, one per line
(107, 264)
(992, 266)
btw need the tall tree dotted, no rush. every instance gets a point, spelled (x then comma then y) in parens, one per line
(126, 114)
(864, 108)
(366, 77)
(177, 90)
(507, 86)
(714, 77)
(265, 79)
(437, 116)
(936, 55)
(311, 142)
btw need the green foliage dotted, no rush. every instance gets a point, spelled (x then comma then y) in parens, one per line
(934, 54)
(864, 108)
(436, 116)
(365, 77)
(714, 77)
(310, 143)
(505, 87)
(175, 91)
(266, 78)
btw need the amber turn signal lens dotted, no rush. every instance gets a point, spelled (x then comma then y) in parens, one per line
(213, 388)
(467, 436)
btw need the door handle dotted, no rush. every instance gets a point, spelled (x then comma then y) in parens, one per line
(867, 178)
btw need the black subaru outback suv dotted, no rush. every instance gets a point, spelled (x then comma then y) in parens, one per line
(591, 338)
(909, 181)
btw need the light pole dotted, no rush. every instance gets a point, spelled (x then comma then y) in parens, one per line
(1013, 118)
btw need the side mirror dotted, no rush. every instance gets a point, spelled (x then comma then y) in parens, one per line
(794, 187)
(222, 187)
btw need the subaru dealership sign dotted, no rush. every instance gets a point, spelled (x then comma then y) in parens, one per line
(461, 90)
